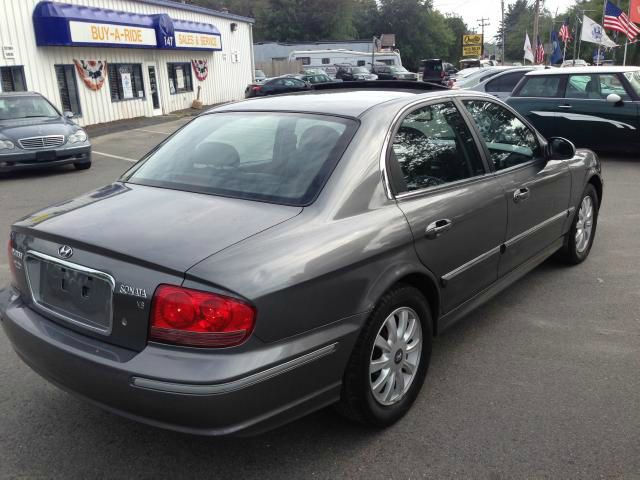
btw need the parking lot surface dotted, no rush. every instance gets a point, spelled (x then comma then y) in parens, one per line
(541, 382)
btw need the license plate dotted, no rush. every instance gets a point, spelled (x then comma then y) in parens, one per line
(71, 293)
(45, 156)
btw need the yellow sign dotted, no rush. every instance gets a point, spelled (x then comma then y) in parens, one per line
(473, 39)
(472, 50)
(197, 40)
(86, 32)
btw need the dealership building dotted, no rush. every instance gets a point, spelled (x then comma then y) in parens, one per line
(108, 60)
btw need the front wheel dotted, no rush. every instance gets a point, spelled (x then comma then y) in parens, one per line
(583, 229)
(390, 360)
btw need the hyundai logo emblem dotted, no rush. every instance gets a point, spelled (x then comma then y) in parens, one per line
(65, 251)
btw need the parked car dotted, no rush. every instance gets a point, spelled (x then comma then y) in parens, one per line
(392, 72)
(278, 255)
(275, 86)
(34, 134)
(502, 83)
(259, 76)
(449, 69)
(315, 78)
(433, 71)
(349, 73)
(477, 76)
(594, 107)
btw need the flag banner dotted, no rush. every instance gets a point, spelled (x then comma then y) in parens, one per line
(616, 19)
(564, 33)
(201, 69)
(634, 11)
(556, 51)
(528, 51)
(92, 72)
(594, 33)
(540, 52)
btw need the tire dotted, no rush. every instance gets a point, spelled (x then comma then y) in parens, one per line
(358, 400)
(576, 249)
(82, 165)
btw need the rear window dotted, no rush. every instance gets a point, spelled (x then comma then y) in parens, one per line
(275, 157)
(540, 86)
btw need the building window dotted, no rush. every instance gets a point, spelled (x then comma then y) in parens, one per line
(68, 87)
(125, 81)
(12, 79)
(304, 60)
(179, 77)
(326, 61)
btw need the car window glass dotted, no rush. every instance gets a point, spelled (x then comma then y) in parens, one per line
(510, 142)
(12, 108)
(278, 157)
(581, 86)
(540, 86)
(433, 146)
(505, 83)
(634, 80)
(610, 83)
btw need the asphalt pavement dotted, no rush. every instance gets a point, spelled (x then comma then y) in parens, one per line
(541, 382)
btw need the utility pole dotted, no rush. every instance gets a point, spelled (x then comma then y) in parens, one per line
(536, 17)
(483, 22)
(503, 30)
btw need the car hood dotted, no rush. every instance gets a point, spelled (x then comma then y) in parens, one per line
(35, 127)
(168, 228)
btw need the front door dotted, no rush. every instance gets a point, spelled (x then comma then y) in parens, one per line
(153, 88)
(537, 192)
(455, 208)
(589, 119)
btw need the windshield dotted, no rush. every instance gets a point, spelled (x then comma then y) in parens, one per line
(13, 108)
(277, 157)
(359, 70)
(399, 70)
(634, 80)
(260, 73)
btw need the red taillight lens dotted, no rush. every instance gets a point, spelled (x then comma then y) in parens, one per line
(199, 319)
(256, 88)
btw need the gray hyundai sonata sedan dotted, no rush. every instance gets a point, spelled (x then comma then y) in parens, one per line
(278, 255)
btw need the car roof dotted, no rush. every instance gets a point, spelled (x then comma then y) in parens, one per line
(20, 94)
(343, 102)
(592, 69)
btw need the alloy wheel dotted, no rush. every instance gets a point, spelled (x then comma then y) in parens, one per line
(395, 356)
(584, 225)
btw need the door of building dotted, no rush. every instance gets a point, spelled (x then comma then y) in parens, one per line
(153, 88)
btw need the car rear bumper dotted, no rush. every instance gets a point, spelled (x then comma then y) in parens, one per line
(29, 159)
(170, 387)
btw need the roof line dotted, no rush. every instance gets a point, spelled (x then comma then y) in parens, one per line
(198, 9)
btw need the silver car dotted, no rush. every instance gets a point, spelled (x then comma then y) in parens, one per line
(282, 254)
(502, 82)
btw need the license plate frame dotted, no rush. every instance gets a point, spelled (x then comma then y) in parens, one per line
(46, 156)
(92, 313)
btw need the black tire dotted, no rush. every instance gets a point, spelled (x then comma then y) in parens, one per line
(357, 401)
(82, 165)
(570, 253)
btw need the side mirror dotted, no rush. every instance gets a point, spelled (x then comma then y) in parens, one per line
(68, 114)
(614, 98)
(560, 148)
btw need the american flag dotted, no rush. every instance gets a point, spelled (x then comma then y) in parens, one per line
(616, 19)
(564, 33)
(539, 52)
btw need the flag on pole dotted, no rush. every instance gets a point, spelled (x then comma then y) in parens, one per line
(528, 51)
(634, 11)
(616, 19)
(556, 53)
(564, 33)
(594, 33)
(539, 52)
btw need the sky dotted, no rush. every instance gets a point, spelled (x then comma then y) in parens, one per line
(472, 10)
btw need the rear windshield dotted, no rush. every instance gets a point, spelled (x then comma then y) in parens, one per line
(12, 108)
(275, 157)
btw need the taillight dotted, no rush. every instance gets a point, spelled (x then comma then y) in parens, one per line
(256, 88)
(199, 319)
(442, 74)
(12, 266)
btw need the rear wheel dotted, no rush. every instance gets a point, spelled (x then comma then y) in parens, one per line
(390, 360)
(82, 165)
(583, 229)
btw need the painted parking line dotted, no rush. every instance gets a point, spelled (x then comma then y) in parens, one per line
(152, 131)
(114, 156)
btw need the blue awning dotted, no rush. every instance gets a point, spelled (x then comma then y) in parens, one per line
(63, 24)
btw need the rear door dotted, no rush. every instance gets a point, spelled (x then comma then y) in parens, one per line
(589, 119)
(537, 98)
(455, 207)
(536, 192)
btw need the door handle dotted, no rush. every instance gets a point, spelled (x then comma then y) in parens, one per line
(437, 228)
(521, 194)
(567, 107)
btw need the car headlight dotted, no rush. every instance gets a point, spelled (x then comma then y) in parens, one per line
(78, 137)
(6, 145)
